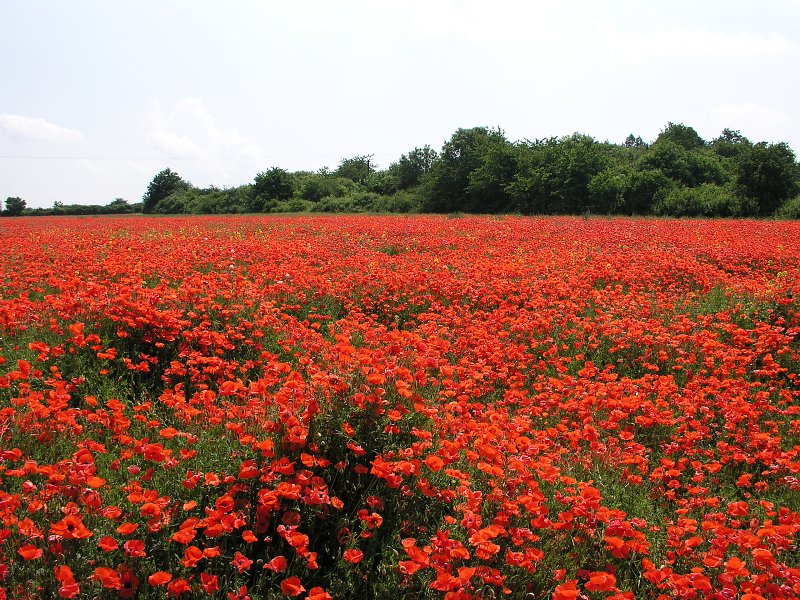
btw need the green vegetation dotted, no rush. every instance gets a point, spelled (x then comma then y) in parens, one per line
(480, 171)
(14, 207)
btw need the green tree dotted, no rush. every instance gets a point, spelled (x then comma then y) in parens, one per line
(682, 135)
(119, 206)
(729, 143)
(767, 174)
(627, 190)
(316, 186)
(487, 191)
(554, 174)
(356, 169)
(163, 184)
(634, 142)
(269, 186)
(178, 202)
(382, 182)
(447, 182)
(411, 167)
(688, 167)
(14, 206)
(789, 209)
(706, 200)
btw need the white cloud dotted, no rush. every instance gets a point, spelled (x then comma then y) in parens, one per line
(637, 47)
(172, 144)
(213, 153)
(34, 128)
(189, 130)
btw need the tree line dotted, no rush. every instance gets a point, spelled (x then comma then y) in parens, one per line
(478, 170)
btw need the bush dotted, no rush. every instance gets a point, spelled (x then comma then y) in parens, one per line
(358, 202)
(628, 191)
(293, 205)
(317, 186)
(213, 201)
(401, 202)
(789, 209)
(333, 204)
(175, 203)
(274, 184)
(706, 200)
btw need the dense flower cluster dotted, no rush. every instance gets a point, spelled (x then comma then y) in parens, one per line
(348, 407)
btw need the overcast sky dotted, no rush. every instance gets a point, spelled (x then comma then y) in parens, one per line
(97, 96)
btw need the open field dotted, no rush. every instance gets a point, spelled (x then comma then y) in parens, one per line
(382, 407)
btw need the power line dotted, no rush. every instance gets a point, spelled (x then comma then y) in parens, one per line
(32, 157)
(167, 158)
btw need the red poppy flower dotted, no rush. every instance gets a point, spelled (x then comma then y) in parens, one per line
(159, 578)
(292, 586)
(70, 527)
(30, 552)
(209, 583)
(353, 555)
(107, 543)
(318, 593)
(108, 578)
(191, 556)
(128, 582)
(277, 564)
(566, 591)
(135, 548)
(178, 587)
(241, 562)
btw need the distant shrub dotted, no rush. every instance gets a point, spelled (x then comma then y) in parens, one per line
(175, 203)
(317, 186)
(706, 200)
(358, 202)
(293, 205)
(789, 209)
(333, 204)
(400, 202)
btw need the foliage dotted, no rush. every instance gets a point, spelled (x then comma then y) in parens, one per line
(706, 200)
(176, 203)
(382, 182)
(627, 190)
(487, 188)
(119, 206)
(789, 209)
(14, 206)
(164, 183)
(634, 141)
(480, 171)
(317, 186)
(555, 173)
(768, 174)
(447, 183)
(730, 143)
(681, 135)
(412, 167)
(686, 167)
(357, 168)
(274, 184)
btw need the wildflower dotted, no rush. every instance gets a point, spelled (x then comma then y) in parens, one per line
(292, 586)
(159, 578)
(352, 555)
(30, 552)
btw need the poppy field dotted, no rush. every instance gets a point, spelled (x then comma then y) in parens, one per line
(382, 407)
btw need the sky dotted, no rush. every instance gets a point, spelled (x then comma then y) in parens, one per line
(96, 97)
